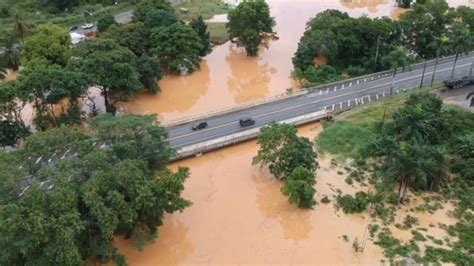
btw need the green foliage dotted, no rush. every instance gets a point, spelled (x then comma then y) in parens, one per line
(325, 199)
(12, 127)
(249, 24)
(344, 139)
(141, 11)
(409, 221)
(11, 55)
(133, 36)
(200, 27)
(110, 66)
(324, 74)
(105, 21)
(282, 150)
(159, 18)
(50, 44)
(299, 188)
(350, 204)
(177, 47)
(100, 192)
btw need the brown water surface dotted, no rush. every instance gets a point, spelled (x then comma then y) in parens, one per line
(240, 216)
(228, 77)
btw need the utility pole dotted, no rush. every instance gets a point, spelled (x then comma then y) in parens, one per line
(423, 75)
(376, 53)
(454, 66)
(393, 81)
(434, 71)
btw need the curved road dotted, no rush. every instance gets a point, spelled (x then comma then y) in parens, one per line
(336, 97)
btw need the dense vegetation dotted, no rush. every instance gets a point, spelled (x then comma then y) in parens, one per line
(418, 145)
(249, 24)
(86, 189)
(291, 159)
(356, 46)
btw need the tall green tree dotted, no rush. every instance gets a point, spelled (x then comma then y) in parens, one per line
(93, 194)
(299, 188)
(201, 29)
(282, 150)
(159, 18)
(12, 127)
(50, 43)
(3, 73)
(143, 7)
(111, 67)
(462, 42)
(177, 47)
(249, 24)
(133, 36)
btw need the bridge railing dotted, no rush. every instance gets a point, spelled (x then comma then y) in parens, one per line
(235, 138)
(306, 90)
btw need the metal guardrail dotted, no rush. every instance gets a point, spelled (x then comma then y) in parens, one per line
(303, 91)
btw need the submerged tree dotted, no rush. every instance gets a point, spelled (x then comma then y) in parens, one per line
(249, 24)
(201, 29)
(299, 188)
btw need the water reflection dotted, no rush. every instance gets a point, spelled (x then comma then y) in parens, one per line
(296, 223)
(371, 5)
(171, 248)
(248, 79)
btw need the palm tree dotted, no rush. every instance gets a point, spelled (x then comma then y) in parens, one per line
(20, 27)
(398, 58)
(11, 55)
(440, 44)
(462, 42)
(3, 73)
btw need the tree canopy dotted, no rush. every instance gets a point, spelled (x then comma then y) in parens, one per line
(249, 24)
(100, 185)
(50, 43)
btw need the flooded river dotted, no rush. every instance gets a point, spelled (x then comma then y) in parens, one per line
(228, 77)
(239, 215)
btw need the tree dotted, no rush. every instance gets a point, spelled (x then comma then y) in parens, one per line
(12, 127)
(133, 36)
(201, 29)
(411, 164)
(249, 24)
(299, 188)
(11, 55)
(160, 18)
(110, 66)
(150, 73)
(46, 86)
(50, 43)
(398, 58)
(324, 74)
(20, 26)
(177, 47)
(421, 119)
(282, 150)
(141, 10)
(96, 195)
(3, 73)
(105, 21)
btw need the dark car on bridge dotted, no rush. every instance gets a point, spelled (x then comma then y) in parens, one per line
(246, 122)
(199, 126)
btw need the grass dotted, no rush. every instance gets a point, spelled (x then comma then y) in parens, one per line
(343, 139)
(374, 111)
(218, 32)
(206, 8)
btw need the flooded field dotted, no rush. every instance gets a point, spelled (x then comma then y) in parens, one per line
(228, 77)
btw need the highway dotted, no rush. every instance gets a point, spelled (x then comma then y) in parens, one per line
(335, 97)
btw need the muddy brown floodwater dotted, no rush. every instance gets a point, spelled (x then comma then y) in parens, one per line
(240, 216)
(228, 77)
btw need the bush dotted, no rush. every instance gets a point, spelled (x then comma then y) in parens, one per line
(355, 204)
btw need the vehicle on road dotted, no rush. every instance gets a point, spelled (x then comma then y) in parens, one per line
(87, 26)
(72, 28)
(246, 122)
(199, 126)
(452, 84)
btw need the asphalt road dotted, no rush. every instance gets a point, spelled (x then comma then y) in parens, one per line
(337, 97)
